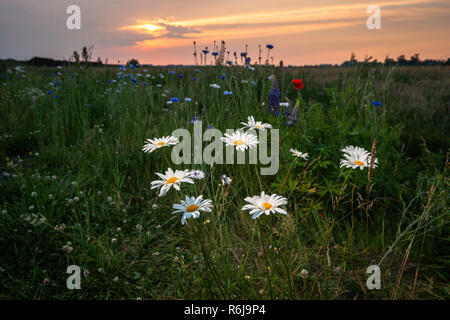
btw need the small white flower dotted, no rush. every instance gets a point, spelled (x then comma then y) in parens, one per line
(155, 206)
(197, 174)
(304, 273)
(240, 140)
(298, 154)
(251, 123)
(356, 157)
(153, 144)
(226, 180)
(284, 104)
(265, 204)
(213, 85)
(169, 179)
(33, 194)
(192, 206)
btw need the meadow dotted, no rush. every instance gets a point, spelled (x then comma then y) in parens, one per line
(75, 184)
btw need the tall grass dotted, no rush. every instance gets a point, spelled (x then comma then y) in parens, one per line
(76, 159)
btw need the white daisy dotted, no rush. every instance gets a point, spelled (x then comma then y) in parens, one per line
(240, 140)
(265, 204)
(170, 179)
(153, 144)
(298, 154)
(225, 180)
(197, 174)
(192, 206)
(256, 124)
(356, 157)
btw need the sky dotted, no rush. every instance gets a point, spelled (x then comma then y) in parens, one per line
(162, 32)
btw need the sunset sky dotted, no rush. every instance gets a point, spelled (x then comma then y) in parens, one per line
(162, 32)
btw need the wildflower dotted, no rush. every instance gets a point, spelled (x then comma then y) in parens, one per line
(175, 99)
(228, 93)
(225, 180)
(240, 140)
(33, 194)
(256, 124)
(223, 77)
(269, 46)
(292, 115)
(67, 248)
(376, 103)
(298, 84)
(284, 104)
(154, 206)
(187, 99)
(153, 144)
(246, 277)
(264, 204)
(274, 97)
(298, 154)
(139, 227)
(192, 206)
(304, 273)
(195, 119)
(213, 85)
(169, 179)
(355, 157)
(197, 174)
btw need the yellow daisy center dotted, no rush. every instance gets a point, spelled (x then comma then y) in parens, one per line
(239, 142)
(359, 163)
(172, 180)
(267, 206)
(161, 143)
(258, 126)
(192, 208)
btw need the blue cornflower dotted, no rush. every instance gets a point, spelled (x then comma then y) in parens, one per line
(194, 79)
(49, 91)
(195, 119)
(145, 83)
(132, 67)
(243, 54)
(205, 51)
(122, 67)
(269, 46)
(210, 126)
(228, 93)
(223, 77)
(215, 53)
(229, 62)
(134, 80)
(174, 99)
(197, 70)
(180, 76)
(247, 60)
(376, 103)
(171, 72)
(187, 99)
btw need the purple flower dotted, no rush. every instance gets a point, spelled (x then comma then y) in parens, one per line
(274, 97)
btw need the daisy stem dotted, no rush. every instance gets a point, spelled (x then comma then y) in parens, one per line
(287, 175)
(266, 258)
(206, 259)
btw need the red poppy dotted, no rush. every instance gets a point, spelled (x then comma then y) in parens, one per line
(298, 83)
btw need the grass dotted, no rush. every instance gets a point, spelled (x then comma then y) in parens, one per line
(73, 156)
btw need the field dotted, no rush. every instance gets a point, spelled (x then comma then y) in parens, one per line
(75, 184)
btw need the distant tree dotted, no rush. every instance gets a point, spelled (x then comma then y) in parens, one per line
(389, 61)
(415, 59)
(401, 60)
(133, 62)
